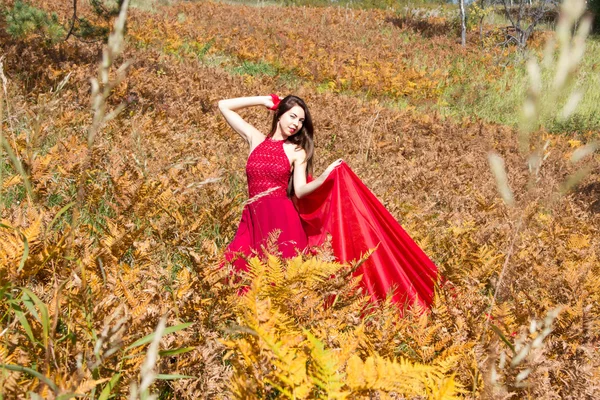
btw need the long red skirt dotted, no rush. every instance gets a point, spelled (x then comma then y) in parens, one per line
(274, 217)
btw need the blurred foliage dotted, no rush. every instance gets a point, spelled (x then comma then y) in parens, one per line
(23, 20)
(358, 4)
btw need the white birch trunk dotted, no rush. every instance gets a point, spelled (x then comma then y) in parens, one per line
(463, 25)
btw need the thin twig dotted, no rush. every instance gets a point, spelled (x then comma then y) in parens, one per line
(73, 21)
(370, 137)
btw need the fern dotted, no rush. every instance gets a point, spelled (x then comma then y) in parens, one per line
(324, 370)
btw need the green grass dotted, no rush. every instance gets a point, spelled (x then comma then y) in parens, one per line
(500, 101)
(96, 215)
(13, 194)
(254, 69)
(196, 48)
(55, 199)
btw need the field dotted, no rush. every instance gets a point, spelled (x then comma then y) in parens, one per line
(113, 224)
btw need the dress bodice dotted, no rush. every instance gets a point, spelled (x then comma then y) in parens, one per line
(268, 170)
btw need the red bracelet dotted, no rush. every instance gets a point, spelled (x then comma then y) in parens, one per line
(276, 101)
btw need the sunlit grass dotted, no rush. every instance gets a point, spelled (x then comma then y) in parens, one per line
(500, 100)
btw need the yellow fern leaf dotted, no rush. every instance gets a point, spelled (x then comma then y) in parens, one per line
(448, 389)
(12, 181)
(579, 242)
(355, 372)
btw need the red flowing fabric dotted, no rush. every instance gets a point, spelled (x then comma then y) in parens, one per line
(345, 208)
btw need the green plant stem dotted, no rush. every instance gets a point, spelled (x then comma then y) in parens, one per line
(19, 368)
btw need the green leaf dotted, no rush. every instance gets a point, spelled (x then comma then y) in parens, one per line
(109, 387)
(503, 338)
(43, 310)
(21, 317)
(167, 377)
(25, 254)
(150, 337)
(19, 368)
(28, 302)
(61, 212)
(173, 352)
(5, 289)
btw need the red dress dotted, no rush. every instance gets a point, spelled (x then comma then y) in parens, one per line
(269, 211)
(342, 207)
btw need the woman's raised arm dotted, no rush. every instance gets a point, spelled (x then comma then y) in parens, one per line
(229, 107)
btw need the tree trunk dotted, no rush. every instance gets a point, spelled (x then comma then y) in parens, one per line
(463, 25)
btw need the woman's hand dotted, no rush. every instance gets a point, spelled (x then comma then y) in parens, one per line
(331, 167)
(272, 102)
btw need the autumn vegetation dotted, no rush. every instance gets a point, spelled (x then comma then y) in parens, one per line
(121, 185)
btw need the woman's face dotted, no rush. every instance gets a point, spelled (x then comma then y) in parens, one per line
(291, 121)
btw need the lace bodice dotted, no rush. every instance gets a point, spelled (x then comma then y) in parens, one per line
(268, 170)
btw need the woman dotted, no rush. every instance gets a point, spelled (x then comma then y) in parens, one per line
(277, 167)
(336, 204)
